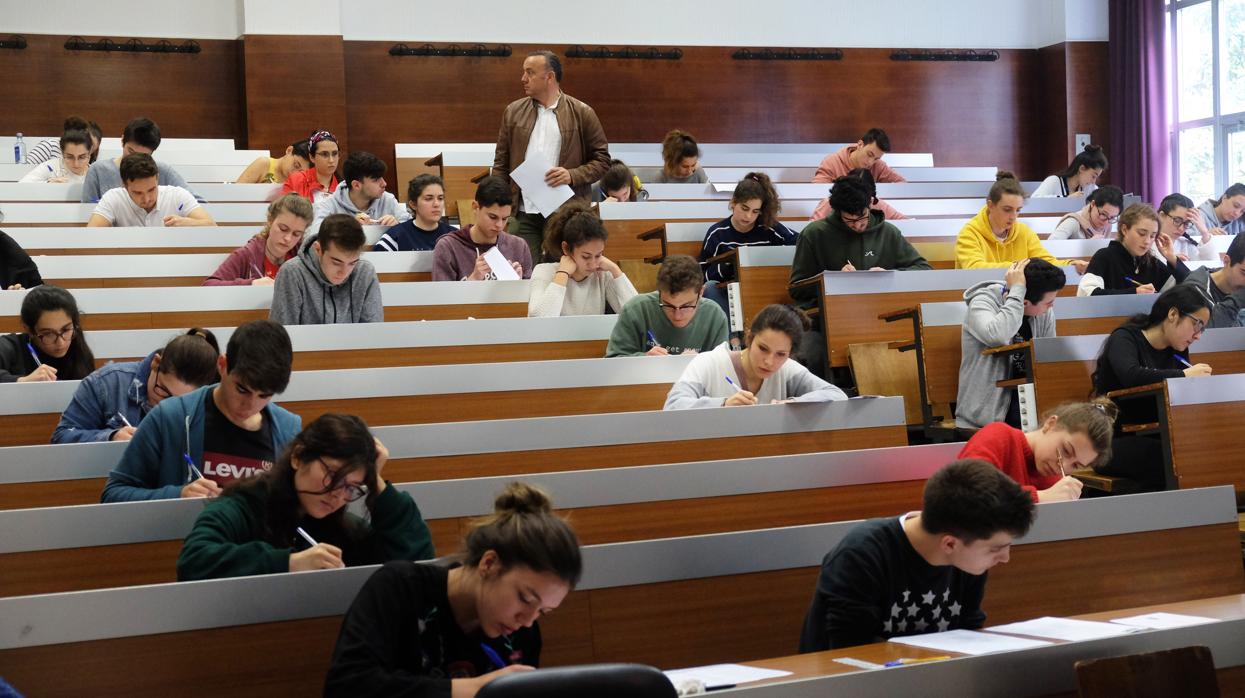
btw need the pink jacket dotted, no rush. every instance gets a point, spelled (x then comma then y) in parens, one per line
(889, 212)
(242, 266)
(837, 165)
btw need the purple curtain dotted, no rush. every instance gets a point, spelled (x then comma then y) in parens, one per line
(1140, 137)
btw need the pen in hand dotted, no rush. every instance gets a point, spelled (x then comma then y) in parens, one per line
(34, 355)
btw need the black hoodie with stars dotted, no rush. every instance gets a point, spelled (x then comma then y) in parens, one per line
(874, 586)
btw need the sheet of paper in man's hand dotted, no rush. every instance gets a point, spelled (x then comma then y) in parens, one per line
(530, 176)
(500, 265)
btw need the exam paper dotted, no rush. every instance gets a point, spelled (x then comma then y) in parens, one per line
(717, 675)
(500, 265)
(969, 642)
(1162, 621)
(530, 176)
(1069, 629)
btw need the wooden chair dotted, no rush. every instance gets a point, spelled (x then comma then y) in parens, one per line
(1184, 671)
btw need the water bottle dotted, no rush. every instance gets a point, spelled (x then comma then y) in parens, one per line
(19, 150)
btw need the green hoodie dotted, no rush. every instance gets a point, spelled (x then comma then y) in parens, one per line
(828, 245)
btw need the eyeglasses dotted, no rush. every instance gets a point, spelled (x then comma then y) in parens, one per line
(1180, 223)
(353, 492)
(52, 336)
(853, 219)
(676, 309)
(1198, 326)
(1102, 213)
(159, 388)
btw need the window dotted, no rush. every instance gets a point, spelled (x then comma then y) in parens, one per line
(1207, 42)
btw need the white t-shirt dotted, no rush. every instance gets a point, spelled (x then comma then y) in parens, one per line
(51, 169)
(121, 211)
(546, 141)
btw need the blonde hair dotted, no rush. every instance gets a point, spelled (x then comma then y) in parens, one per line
(1095, 419)
(290, 203)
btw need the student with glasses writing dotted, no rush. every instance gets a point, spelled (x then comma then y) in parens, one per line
(1182, 224)
(1128, 265)
(293, 517)
(109, 404)
(194, 444)
(1094, 220)
(674, 319)
(52, 345)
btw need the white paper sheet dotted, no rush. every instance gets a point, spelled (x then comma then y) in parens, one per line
(530, 176)
(1069, 629)
(718, 675)
(969, 642)
(500, 265)
(1162, 621)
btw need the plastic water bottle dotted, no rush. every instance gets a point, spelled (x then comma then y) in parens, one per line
(19, 150)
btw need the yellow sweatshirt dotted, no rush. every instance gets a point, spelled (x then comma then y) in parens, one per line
(978, 248)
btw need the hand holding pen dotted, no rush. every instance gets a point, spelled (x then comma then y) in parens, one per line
(320, 556)
(655, 349)
(42, 372)
(741, 396)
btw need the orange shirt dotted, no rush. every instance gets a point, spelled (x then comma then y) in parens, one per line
(305, 184)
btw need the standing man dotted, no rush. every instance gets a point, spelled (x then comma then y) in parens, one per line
(557, 127)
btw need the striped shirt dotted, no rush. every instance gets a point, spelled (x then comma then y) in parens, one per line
(723, 237)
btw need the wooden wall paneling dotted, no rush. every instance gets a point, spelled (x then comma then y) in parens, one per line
(1050, 85)
(1086, 76)
(294, 85)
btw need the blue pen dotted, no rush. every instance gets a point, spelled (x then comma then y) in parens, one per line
(493, 656)
(1182, 360)
(728, 380)
(31, 348)
(652, 338)
(1131, 280)
(193, 470)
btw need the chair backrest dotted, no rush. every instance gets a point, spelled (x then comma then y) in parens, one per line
(1184, 671)
(597, 680)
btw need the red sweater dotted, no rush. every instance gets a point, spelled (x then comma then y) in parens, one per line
(1008, 450)
(306, 184)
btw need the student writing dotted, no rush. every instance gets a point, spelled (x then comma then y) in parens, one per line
(52, 346)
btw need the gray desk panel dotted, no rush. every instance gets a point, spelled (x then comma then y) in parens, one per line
(53, 528)
(950, 313)
(51, 462)
(14, 191)
(1041, 671)
(675, 210)
(1206, 390)
(771, 256)
(165, 265)
(71, 237)
(805, 174)
(695, 232)
(945, 227)
(80, 213)
(108, 613)
(850, 283)
(1087, 347)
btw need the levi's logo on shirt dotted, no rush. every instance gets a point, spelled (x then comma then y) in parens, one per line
(224, 468)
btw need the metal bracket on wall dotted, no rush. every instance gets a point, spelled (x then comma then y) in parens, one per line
(651, 53)
(453, 50)
(77, 43)
(945, 55)
(787, 54)
(17, 41)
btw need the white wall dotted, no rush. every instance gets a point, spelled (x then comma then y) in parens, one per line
(834, 23)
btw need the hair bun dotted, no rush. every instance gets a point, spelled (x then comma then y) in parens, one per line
(1004, 174)
(522, 498)
(1107, 406)
(1091, 148)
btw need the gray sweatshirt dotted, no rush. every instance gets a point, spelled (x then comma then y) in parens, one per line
(106, 174)
(1228, 306)
(1207, 209)
(303, 296)
(339, 202)
(992, 320)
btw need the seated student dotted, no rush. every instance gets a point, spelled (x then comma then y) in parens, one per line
(1094, 220)
(50, 148)
(110, 403)
(680, 157)
(270, 170)
(141, 135)
(1080, 179)
(53, 345)
(1073, 436)
(671, 320)
(619, 184)
(143, 201)
(321, 179)
(328, 283)
(1176, 215)
(921, 572)
(1223, 215)
(257, 524)
(866, 153)
(425, 203)
(17, 270)
(1016, 309)
(761, 374)
(447, 628)
(753, 222)
(1149, 349)
(585, 281)
(1224, 286)
(1127, 265)
(362, 194)
(191, 445)
(995, 237)
(889, 212)
(257, 262)
(459, 256)
(70, 166)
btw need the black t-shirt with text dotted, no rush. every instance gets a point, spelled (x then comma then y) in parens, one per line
(231, 452)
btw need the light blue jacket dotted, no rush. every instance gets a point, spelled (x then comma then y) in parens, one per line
(154, 466)
(115, 389)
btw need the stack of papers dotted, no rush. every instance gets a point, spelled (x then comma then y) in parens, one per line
(1067, 629)
(723, 675)
(969, 642)
(1162, 621)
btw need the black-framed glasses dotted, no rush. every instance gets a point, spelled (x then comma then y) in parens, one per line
(1198, 325)
(1102, 213)
(51, 336)
(1181, 223)
(853, 220)
(352, 492)
(159, 388)
(676, 309)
